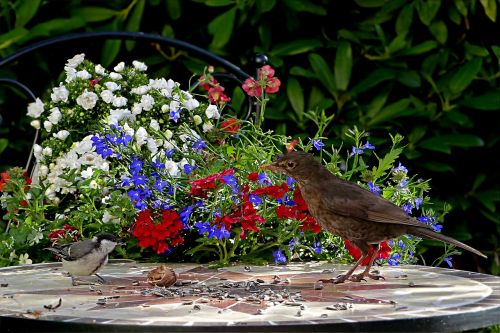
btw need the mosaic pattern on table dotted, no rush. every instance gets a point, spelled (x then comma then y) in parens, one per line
(262, 295)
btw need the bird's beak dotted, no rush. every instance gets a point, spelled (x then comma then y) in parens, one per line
(270, 167)
(121, 243)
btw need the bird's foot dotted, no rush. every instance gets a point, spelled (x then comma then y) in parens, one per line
(101, 279)
(339, 279)
(361, 277)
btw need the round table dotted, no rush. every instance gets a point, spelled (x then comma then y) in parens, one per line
(247, 298)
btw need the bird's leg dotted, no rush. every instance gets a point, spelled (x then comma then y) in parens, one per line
(101, 279)
(343, 277)
(366, 272)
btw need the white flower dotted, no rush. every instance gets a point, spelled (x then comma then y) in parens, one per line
(141, 136)
(100, 70)
(61, 135)
(70, 73)
(107, 96)
(59, 94)
(112, 86)
(87, 99)
(141, 90)
(35, 109)
(115, 76)
(55, 115)
(212, 112)
(12, 255)
(120, 67)
(93, 184)
(137, 109)
(35, 237)
(87, 173)
(83, 74)
(35, 124)
(165, 108)
(207, 127)
(43, 170)
(197, 120)
(24, 259)
(152, 146)
(119, 102)
(172, 168)
(47, 125)
(154, 124)
(174, 106)
(168, 145)
(191, 104)
(107, 217)
(147, 102)
(117, 115)
(128, 130)
(83, 146)
(159, 84)
(47, 151)
(37, 151)
(169, 134)
(76, 60)
(140, 66)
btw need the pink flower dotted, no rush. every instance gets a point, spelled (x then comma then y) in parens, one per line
(252, 87)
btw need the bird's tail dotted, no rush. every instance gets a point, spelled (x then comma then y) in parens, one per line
(428, 233)
(57, 251)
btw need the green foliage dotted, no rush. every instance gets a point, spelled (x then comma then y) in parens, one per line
(428, 69)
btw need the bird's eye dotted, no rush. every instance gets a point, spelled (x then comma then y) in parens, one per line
(290, 164)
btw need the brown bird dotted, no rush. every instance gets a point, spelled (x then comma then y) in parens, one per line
(352, 212)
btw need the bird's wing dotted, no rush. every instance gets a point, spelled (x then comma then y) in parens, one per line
(79, 249)
(354, 201)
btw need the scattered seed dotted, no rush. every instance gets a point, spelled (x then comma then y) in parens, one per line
(293, 304)
(196, 307)
(53, 307)
(411, 284)
(338, 307)
(3, 285)
(135, 283)
(318, 285)
(190, 302)
(298, 314)
(260, 281)
(247, 268)
(323, 315)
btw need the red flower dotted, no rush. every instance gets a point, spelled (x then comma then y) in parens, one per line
(4, 178)
(252, 87)
(230, 125)
(272, 85)
(291, 145)
(273, 191)
(68, 233)
(299, 212)
(199, 186)
(265, 71)
(157, 235)
(253, 176)
(384, 252)
(216, 95)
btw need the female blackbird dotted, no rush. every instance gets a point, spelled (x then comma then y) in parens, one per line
(352, 212)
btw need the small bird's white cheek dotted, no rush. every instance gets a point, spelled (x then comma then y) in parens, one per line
(107, 246)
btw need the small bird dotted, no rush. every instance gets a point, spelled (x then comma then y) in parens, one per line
(352, 212)
(86, 257)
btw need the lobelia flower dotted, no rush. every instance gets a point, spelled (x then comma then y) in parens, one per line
(279, 257)
(317, 144)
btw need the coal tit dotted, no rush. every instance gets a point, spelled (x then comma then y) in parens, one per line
(86, 257)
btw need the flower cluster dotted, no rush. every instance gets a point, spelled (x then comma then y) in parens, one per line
(140, 157)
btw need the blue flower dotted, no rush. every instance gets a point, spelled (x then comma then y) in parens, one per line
(185, 214)
(199, 145)
(418, 202)
(448, 261)
(139, 179)
(232, 182)
(158, 165)
(294, 241)
(318, 144)
(408, 208)
(426, 219)
(263, 178)
(290, 181)
(188, 168)
(218, 233)
(356, 151)
(373, 188)
(135, 166)
(160, 184)
(394, 259)
(368, 145)
(134, 195)
(437, 227)
(169, 153)
(401, 244)
(317, 247)
(175, 115)
(124, 139)
(400, 168)
(101, 147)
(279, 257)
(202, 227)
(403, 182)
(255, 199)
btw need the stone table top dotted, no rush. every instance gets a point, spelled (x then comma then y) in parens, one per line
(247, 298)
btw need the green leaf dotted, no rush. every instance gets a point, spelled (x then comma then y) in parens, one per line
(12, 36)
(436, 166)
(420, 48)
(343, 65)
(397, 44)
(370, 3)
(461, 7)
(454, 15)
(174, 9)
(296, 96)
(377, 76)
(404, 20)
(94, 14)
(378, 102)
(439, 31)
(490, 8)
(474, 50)
(25, 10)
(490, 101)
(427, 10)
(55, 27)
(488, 198)
(265, 5)
(134, 22)
(3, 144)
(323, 73)
(409, 78)
(444, 143)
(463, 77)
(386, 162)
(296, 47)
(217, 3)
(221, 28)
(390, 112)
(306, 6)
(299, 71)
(110, 51)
